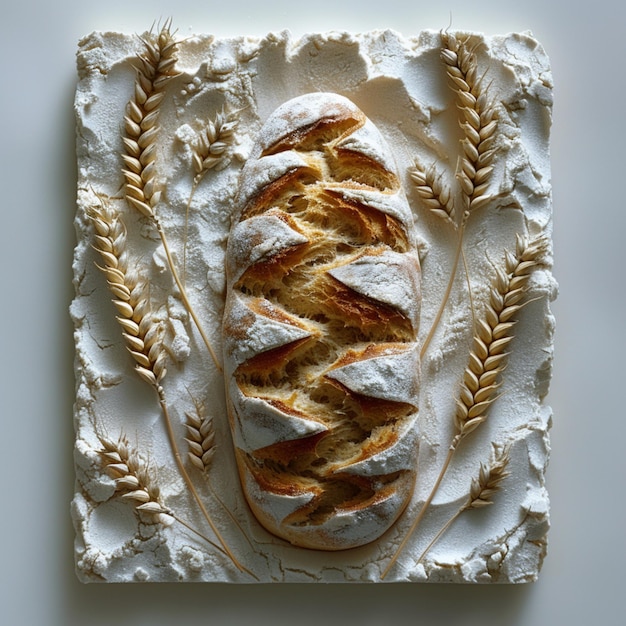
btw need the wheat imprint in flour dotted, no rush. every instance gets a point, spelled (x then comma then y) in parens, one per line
(313, 335)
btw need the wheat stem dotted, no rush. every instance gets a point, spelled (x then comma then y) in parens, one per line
(194, 186)
(446, 296)
(188, 526)
(420, 515)
(183, 294)
(470, 295)
(440, 534)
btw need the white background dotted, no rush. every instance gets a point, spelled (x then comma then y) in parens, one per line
(583, 576)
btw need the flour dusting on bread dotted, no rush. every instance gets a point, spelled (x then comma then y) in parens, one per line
(320, 328)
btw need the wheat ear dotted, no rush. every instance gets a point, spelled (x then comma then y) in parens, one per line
(156, 67)
(200, 438)
(201, 441)
(209, 148)
(492, 335)
(435, 195)
(479, 123)
(209, 151)
(135, 482)
(142, 190)
(130, 296)
(482, 490)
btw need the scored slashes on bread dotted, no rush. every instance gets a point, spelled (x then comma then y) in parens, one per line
(320, 328)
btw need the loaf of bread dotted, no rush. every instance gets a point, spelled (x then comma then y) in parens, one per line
(320, 328)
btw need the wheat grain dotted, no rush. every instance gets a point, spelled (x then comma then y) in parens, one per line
(478, 121)
(141, 333)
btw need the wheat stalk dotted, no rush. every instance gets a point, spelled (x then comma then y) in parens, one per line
(142, 189)
(493, 333)
(483, 489)
(141, 333)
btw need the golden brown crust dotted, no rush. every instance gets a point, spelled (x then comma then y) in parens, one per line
(320, 328)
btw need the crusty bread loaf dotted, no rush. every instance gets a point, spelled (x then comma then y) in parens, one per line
(320, 328)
